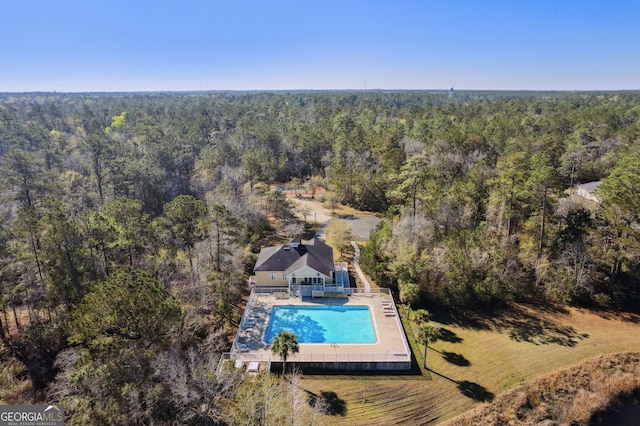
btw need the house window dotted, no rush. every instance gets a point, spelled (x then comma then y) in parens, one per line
(273, 277)
(293, 280)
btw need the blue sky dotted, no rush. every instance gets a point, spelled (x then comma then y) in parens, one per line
(96, 45)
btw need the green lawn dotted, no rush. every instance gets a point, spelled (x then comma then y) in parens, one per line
(478, 359)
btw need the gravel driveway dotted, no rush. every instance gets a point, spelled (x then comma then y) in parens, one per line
(361, 226)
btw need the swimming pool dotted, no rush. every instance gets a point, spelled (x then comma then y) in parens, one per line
(323, 324)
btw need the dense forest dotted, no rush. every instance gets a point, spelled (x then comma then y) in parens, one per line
(129, 223)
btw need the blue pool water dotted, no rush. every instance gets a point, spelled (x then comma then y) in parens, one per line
(323, 324)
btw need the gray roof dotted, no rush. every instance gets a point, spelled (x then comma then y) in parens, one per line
(286, 259)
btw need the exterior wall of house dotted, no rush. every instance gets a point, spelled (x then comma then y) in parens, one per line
(308, 272)
(263, 279)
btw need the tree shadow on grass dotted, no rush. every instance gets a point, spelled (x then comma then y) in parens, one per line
(521, 322)
(619, 316)
(524, 326)
(335, 406)
(475, 391)
(447, 335)
(453, 358)
(470, 389)
(457, 359)
(464, 319)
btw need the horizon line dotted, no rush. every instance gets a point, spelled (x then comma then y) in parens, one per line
(23, 92)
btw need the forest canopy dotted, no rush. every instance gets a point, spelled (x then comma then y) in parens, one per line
(170, 192)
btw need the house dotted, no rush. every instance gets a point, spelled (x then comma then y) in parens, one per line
(587, 190)
(300, 268)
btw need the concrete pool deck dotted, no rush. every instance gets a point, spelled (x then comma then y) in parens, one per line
(390, 352)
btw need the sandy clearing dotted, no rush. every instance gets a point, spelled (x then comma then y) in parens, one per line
(362, 223)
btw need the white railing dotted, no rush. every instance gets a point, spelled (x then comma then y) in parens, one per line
(234, 346)
(349, 357)
(251, 356)
(269, 290)
(341, 266)
(307, 290)
(225, 356)
(308, 287)
(371, 292)
(320, 287)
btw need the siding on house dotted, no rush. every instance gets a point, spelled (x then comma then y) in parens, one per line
(263, 279)
(309, 272)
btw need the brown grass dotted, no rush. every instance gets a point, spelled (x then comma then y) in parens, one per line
(481, 356)
(15, 387)
(572, 396)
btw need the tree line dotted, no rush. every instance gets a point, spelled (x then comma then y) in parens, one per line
(484, 209)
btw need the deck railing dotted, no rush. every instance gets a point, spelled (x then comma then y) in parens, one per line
(226, 356)
(341, 266)
(234, 346)
(269, 290)
(319, 357)
(295, 288)
(371, 292)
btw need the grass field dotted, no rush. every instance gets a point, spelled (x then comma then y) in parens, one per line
(478, 358)
(601, 390)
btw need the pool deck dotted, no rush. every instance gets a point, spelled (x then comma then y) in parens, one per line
(390, 352)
